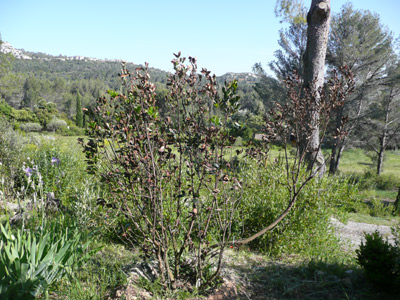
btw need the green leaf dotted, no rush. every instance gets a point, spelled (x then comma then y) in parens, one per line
(5, 233)
(42, 245)
(33, 252)
(112, 93)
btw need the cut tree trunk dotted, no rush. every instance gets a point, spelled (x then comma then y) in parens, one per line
(318, 20)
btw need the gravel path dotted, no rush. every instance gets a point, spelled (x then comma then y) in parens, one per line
(353, 232)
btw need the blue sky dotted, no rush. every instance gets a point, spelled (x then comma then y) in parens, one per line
(225, 36)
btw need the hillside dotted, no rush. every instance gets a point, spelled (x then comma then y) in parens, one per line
(78, 67)
(57, 78)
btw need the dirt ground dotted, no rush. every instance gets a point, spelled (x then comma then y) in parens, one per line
(353, 232)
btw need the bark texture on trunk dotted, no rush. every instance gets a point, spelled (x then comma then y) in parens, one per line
(383, 140)
(338, 145)
(382, 144)
(318, 20)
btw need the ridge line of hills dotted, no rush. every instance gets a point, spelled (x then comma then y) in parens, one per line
(6, 47)
(40, 91)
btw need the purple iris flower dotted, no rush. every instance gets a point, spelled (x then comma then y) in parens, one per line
(55, 161)
(28, 172)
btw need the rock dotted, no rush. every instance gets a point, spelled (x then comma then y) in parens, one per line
(347, 282)
(10, 206)
(147, 270)
(333, 278)
(7, 48)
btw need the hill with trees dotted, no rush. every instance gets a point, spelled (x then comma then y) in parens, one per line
(32, 79)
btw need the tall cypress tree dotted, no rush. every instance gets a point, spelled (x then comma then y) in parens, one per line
(79, 113)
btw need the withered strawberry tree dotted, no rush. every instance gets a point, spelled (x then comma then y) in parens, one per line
(169, 182)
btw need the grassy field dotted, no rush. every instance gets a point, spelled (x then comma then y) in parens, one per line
(353, 161)
(62, 141)
(384, 220)
(358, 161)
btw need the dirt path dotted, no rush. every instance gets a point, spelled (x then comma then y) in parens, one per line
(353, 232)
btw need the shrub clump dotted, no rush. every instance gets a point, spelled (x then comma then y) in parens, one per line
(307, 227)
(31, 127)
(171, 188)
(56, 124)
(380, 260)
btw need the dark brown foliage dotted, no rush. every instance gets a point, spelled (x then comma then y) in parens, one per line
(170, 186)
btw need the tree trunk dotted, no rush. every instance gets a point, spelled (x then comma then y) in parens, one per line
(380, 161)
(318, 20)
(397, 202)
(381, 151)
(333, 165)
(339, 155)
(383, 138)
(336, 154)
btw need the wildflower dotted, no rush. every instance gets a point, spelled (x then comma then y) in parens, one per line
(28, 171)
(55, 161)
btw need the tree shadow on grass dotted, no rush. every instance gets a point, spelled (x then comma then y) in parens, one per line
(367, 164)
(301, 280)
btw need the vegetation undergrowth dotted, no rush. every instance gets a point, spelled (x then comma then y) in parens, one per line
(100, 276)
(307, 230)
(32, 259)
(380, 260)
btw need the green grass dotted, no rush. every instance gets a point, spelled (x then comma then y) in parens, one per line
(384, 220)
(63, 141)
(99, 277)
(382, 194)
(358, 161)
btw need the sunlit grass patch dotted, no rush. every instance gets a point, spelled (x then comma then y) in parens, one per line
(383, 220)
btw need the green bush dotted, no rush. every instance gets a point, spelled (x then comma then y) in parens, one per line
(31, 262)
(307, 229)
(380, 260)
(16, 125)
(370, 180)
(71, 130)
(366, 181)
(24, 115)
(56, 124)
(387, 182)
(5, 109)
(31, 127)
(11, 146)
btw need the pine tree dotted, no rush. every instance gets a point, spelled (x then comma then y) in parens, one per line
(360, 42)
(79, 113)
(289, 58)
(31, 93)
(381, 129)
